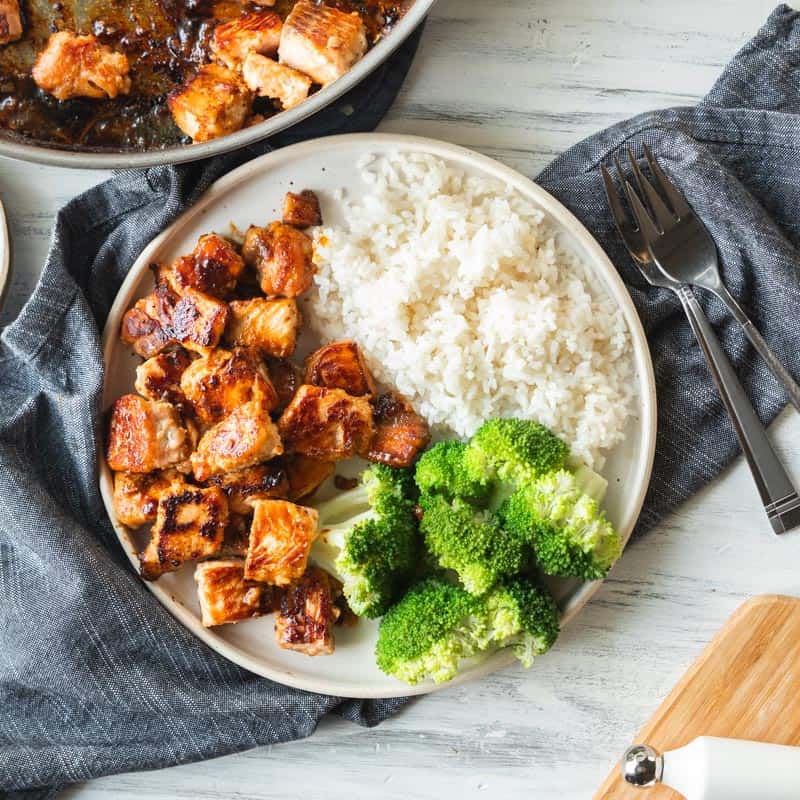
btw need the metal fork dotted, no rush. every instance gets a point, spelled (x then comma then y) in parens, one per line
(686, 252)
(781, 500)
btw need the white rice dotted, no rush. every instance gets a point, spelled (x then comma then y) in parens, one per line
(460, 294)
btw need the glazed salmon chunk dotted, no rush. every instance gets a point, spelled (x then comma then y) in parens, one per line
(198, 321)
(79, 66)
(225, 596)
(254, 32)
(400, 433)
(190, 525)
(281, 536)
(10, 21)
(145, 435)
(340, 365)
(246, 437)
(136, 495)
(327, 424)
(216, 101)
(321, 41)
(261, 482)
(307, 614)
(147, 326)
(217, 384)
(282, 255)
(213, 267)
(267, 78)
(159, 378)
(270, 325)
(301, 210)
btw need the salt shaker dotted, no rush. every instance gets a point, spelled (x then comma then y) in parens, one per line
(711, 768)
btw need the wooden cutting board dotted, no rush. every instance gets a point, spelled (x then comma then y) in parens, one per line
(746, 685)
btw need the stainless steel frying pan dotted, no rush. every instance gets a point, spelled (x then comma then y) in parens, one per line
(15, 147)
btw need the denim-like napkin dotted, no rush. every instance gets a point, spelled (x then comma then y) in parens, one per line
(95, 677)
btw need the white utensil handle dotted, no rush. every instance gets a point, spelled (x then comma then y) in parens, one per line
(733, 769)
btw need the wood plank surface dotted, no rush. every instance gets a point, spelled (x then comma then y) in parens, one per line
(520, 80)
(745, 685)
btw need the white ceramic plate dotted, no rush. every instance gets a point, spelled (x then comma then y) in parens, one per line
(253, 194)
(5, 256)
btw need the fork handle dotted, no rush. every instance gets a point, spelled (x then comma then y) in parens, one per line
(780, 498)
(761, 346)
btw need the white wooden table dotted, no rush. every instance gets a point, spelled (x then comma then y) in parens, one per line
(520, 80)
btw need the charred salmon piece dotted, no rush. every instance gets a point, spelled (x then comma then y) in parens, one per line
(225, 596)
(281, 536)
(190, 525)
(159, 378)
(198, 321)
(213, 267)
(270, 325)
(237, 535)
(254, 32)
(217, 384)
(215, 102)
(306, 475)
(145, 435)
(246, 437)
(136, 495)
(307, 614)
(400, 433)
(286, 377)
(261, 482)
(79, 66)
(327, 424)
(10, 21)
(147, 326)
(340, 365)
(321, 41)
(267, 78)
(282, 256)
(301, 210)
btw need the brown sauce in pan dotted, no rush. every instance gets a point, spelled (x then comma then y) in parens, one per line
(165, 41)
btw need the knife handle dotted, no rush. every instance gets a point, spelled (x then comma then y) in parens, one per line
(710, 768)
(781, 500)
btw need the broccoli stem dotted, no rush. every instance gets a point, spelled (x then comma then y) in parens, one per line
(590, 483)
(344, 506)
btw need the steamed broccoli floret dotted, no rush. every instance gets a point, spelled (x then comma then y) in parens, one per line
(514, 451)
(471, 542)
(437, 625)
(442, 470)
(523, 616)
(569, 532)
(368, 539)
(428, 632)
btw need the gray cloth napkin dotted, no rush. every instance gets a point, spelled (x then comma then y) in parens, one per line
(94, 676)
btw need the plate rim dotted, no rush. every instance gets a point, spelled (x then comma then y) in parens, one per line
(5, 256)
(599, 259)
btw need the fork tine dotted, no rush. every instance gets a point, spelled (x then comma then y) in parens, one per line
(646, 224)
(664, 218)
(614, 200)
(679, 205)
